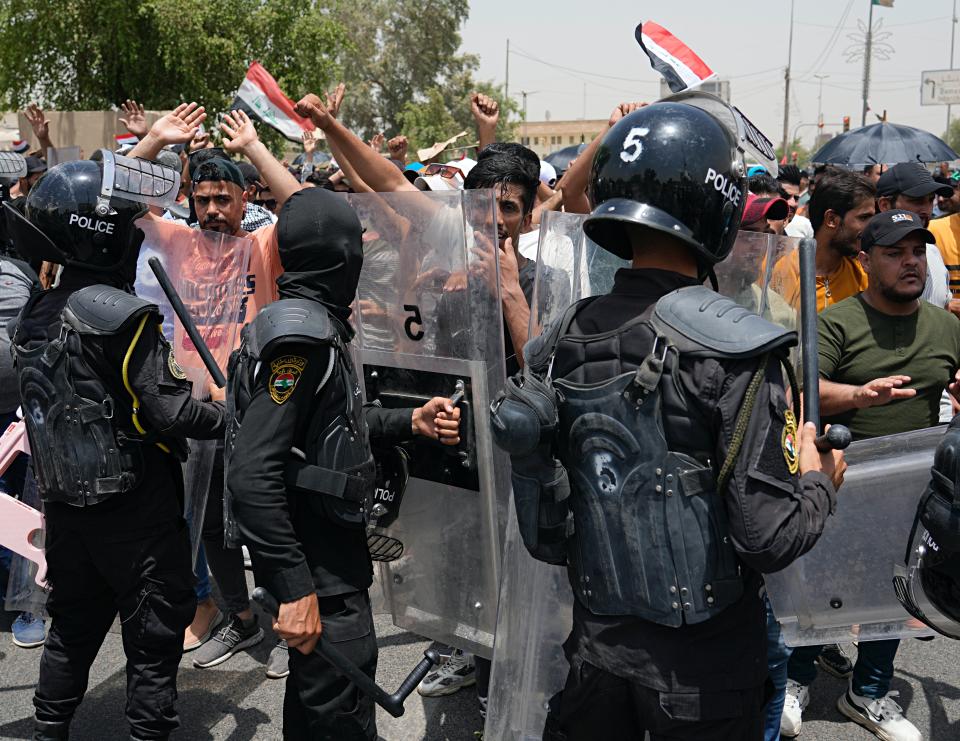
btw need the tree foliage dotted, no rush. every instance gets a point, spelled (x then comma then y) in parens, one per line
(803, 153)
(399, 58)
(952, 135)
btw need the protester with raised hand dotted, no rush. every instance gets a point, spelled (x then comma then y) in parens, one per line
(40, 125)
(486, 112)
(134, 118)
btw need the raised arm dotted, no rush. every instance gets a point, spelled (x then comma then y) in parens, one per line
(40, 125)
(486, 112)
(574, 180)
(240, 137)
(380, 174)
(177, 127)
(134, 118)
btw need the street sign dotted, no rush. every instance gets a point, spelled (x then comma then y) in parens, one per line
(940, 87)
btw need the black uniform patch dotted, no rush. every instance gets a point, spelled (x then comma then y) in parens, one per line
(284, 374)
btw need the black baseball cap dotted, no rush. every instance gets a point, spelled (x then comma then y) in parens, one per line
(36, 164)
(251, 175)
(890, 227)
(217, 169)
(911, 179)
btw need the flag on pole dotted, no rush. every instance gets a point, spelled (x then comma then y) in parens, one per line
(20, 146)
(262, 99)
(883, 3)
(675, 61)
(126, 140)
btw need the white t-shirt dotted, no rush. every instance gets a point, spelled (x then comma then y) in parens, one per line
(799, 226)
(937, 288)
(557, 252)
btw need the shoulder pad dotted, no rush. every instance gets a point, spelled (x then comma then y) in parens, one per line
(104, 310)
(291, 320)
(703, 323)
(538, 351)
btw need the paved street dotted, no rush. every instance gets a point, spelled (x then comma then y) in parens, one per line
(236, 702)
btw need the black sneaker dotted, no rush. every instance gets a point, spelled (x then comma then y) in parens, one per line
(234, 636)
(833, 660)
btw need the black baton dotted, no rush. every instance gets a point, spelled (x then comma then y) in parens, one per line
(187, 321)
(393, 704)
(837, 437)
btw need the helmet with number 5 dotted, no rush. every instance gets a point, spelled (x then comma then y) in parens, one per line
(672, 167)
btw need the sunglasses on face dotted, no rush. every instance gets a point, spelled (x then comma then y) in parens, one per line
(446, 171)
(269, 204)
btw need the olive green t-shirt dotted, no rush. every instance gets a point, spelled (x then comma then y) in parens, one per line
(858, 344)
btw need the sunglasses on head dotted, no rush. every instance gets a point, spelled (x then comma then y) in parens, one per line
(446, 171)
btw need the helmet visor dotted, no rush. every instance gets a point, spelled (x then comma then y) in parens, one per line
(136, 180)
(12, 165)
(750, 140)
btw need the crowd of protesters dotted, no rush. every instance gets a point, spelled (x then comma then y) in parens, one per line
(887, 262)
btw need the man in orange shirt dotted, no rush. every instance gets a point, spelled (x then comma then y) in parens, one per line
(839, 210)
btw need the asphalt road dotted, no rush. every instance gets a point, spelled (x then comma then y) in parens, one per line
(236, 702)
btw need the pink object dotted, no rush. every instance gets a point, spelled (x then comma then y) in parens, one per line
(18, 521)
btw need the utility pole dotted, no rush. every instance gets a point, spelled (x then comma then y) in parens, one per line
(867, 54)
(506, 75)
(820, 79)
(953, 35)
(786, 87)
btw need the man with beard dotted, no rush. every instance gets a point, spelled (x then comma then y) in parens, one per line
(839, 209)
(911, 187)
(885, 358)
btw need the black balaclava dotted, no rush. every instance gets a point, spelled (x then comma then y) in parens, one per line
(321, 250)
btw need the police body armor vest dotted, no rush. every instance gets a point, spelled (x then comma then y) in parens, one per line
(332, 456)
(83, 449)
(649, 531)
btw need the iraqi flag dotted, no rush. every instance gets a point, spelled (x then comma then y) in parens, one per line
(262, 99)
(674, 60)
(126, 140)
(20, 146)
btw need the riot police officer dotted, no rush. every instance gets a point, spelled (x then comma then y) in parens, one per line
(300, 472)
(107, 411)
(655, 453)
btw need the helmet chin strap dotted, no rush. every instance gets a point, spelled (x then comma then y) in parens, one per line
(711, 274)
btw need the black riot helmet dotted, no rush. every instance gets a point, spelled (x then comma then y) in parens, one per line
(81, 214)
(676, 166)
(928, 583)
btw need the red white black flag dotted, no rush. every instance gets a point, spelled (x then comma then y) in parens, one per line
(675, 61)
(262, 99)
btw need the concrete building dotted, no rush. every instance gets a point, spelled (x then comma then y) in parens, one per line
(544, 137)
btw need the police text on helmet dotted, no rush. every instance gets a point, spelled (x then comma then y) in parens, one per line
(94, 225)
(720, 183)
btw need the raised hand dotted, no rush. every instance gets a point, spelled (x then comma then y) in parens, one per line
(485, 110)
(335, 99)
(133, 118)
(376, 143)
(180, 125)
(200, 141)
(397, 147)
(310, 106)
(38, 121)
(309, 142)
(624, 109)
(238, 132)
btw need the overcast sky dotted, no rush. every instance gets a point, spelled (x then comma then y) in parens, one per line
(744, 41)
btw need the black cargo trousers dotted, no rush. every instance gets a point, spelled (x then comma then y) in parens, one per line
(109, 559)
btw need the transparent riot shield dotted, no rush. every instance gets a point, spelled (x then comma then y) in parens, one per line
(429, 323)
(209, 272)
(535, 613)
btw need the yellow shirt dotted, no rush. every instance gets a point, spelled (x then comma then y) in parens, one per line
(847, 280)
(947, 233)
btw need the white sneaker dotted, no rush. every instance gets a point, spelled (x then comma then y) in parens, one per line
(794, 703)
(456, 672)
(883, 716)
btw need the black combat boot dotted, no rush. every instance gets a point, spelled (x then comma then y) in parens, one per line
(44, 730)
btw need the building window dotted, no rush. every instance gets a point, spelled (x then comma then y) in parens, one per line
(536, 140)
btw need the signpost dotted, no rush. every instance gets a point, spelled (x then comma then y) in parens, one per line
(940, 87)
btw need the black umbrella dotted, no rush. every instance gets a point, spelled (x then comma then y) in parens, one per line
(562, 158)
(884, 144)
